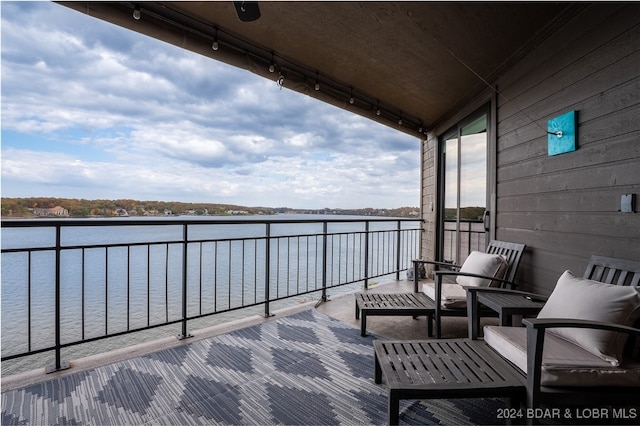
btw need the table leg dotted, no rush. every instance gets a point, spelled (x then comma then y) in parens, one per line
(472, 314)
(505, 319)
(394, 408)
(363, 324)
(377, 371)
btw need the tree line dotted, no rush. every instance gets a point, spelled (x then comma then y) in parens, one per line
(81, 208)
(23, 207)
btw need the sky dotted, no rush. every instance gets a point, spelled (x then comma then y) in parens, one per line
(91, 110)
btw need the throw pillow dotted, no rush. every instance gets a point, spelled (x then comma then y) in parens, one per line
(579, 298)
(489, 265)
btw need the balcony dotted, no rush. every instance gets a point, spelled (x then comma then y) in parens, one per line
(242, 296)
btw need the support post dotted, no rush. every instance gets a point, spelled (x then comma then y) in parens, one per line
(398, 250)
(267, 271)
(366, 255)
(185, 245)
(59, 364)
(324, 262)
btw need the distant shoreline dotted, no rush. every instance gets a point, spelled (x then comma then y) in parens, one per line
(51, 207)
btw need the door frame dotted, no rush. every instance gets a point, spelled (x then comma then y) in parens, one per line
(489, 109)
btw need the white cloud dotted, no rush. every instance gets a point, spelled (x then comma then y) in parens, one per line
(95, 111)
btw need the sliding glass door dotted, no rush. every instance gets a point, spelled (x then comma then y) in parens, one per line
(463, 189)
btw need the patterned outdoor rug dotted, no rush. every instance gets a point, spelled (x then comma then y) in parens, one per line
(305, 369)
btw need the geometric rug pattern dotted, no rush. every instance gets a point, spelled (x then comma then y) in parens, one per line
(301, 369)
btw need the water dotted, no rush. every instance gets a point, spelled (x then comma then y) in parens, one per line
(125, 287)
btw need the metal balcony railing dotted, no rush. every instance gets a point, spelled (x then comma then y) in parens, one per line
(70, 282)
(469, 234)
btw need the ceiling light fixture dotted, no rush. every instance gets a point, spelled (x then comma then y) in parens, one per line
(272, 66)
(215, 45)
(298, 77)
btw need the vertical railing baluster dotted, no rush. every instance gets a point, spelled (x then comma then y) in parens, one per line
(148, 285)
(288, 263)
(398, 243)
(229, 275)
(255, 270)
(468, 239)
(366, 254)
(185, 245)
(59, 365)
(106, 291)
(83, 293)
(166, 285)
(243, 242)
(29, 301)
(128, 288)
(267, 262)
(324, 261)
(339, 257)
(215, 276)
(200, 273)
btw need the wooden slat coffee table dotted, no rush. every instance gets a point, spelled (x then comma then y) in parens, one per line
(452, 368)
(394, 304)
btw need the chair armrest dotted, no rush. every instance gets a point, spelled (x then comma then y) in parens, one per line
(536, 328)
(431, 262)
(467, 274)
(533, 296)
(437, 263)
(545, 323)
(438, 284)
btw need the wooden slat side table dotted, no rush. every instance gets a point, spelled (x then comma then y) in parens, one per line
(452, 368)
(394, 304)
(505, 303)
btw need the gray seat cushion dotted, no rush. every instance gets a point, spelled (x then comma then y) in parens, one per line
(564, 363)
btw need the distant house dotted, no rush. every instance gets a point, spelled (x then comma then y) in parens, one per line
(121, 212)
(55, 211)
(234, 212)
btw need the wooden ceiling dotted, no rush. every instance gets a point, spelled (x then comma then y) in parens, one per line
(415, 61)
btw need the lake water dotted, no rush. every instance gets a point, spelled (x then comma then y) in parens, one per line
(138, 280)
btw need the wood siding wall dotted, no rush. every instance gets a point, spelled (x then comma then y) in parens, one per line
(564, 208)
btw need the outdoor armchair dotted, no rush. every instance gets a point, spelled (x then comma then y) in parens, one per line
(623, 390)
(497, 266)
(584, 346)
(479, 270)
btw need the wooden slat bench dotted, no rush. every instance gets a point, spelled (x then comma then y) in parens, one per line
(394, 304)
